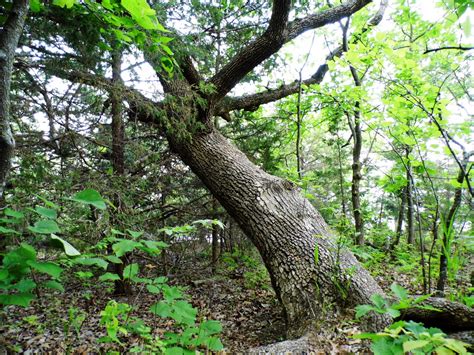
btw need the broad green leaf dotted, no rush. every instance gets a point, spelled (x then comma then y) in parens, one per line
(64, 3)
(12, 213)
(8, 231)
(394, 313)
(54, 285)
(124, 246)
(90, 197)
(175, 350)
(362, 310)
(45, 227)
(171, 293)
(25, 285)
(113, 259)
(153, 289)
(211, 326)
(68, 248)
(384, 346)
(109, 277)
(214, 344)
(92, 261)
(134, 234)
(46, 267)
(130, 271)
(378, 301)
(161, 309)
(19, 299)
(184, 312)
(20, 255)
(414, 344)
(143, 14)
(399, 291)
(46, 212)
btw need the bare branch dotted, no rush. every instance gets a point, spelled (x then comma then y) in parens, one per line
(459, 48)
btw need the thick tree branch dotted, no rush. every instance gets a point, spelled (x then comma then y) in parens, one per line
(253, 101)
(325, 17)
(256, 52)
(273, 39)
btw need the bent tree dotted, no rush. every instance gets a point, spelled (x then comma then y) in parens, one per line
(307, 267)
(309, 270)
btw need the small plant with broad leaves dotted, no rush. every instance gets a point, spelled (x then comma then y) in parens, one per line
(406, 337)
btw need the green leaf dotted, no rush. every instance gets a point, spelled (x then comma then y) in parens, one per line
(8, 231)
(171, 293)
(130, 271)
(12, 213)
(45, 227)
(384, 346)
(143, 14)
(175, 350)
(20, 255)
(414, 344)
(46, 212)
(92, 261)
(113, 259)
(46, 267)
(184, 312)
(211, 326)
(19, 299)
(378, 301)
(25, 285)
(214, 344)
(153, 289)
(134, 234)
(161, 309)
(109, 277)
(362, 310)
(399, 291)
(90, 197)
(68, 248)
(394, 313)
(124, 246)
(64, 3)
(54, 285)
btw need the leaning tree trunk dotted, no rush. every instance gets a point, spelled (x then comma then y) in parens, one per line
(9, 37)
(308, 269)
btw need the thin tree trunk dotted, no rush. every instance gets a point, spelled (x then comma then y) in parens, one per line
(400, 218)
(118, 136)
(121, 287)
(448, 225)
(341, 180)
(215, 235)
(356, 131)
(410, 206)
(307, 268)
(9, 37)
(357, 177)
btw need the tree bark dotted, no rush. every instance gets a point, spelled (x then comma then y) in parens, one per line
(410, 206)
(447, 229)
(307, 268)
(400, 218)
(9, 37)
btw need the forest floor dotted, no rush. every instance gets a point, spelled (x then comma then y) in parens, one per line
(237, 296)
